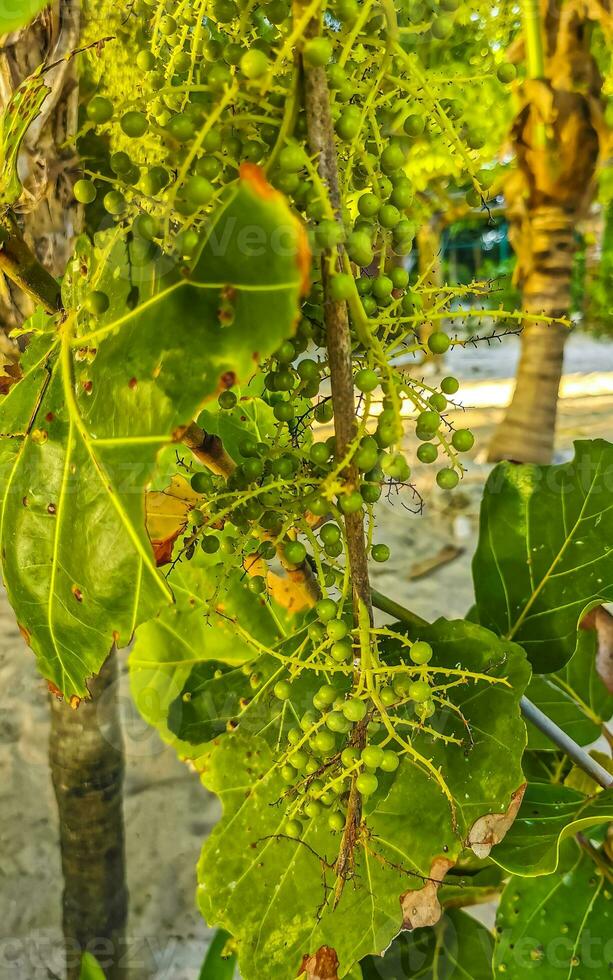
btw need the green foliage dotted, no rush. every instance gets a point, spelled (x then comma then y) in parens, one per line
(90, 968)
(543, 559)
(18, 13)
(458, 946)
(574, 697)
(548, 815)
(558, 925)
(97, 402)
(414, 826)
(356, 764)
(220, 962)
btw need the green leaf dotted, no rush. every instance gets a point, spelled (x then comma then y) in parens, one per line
(218, 965)
(276, 895)
(556, 927)
(545, 553)
(15, 120)
(18, 13)
(575, 697)
(458, 947)
(84, 426)
(91, 969)
(548, 815)
(192, 641)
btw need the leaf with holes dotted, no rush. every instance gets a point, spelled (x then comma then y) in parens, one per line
(276, 894)
(95, 406)
(556, 926)
(457, 947)
(548, 815)
(545, 553)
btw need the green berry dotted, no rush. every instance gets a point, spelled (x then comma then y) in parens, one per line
(380, 552)
(367, 783)
(198, 190)
(96, 302)
(439, 342)
(326, 610)
(447, 479)
(134, 124)
(506, 73)
(99, 109)
(427, 453)
(293, 828)
(366, 380)
(336, 821)
(372, 756)
(354, 710)
(254, 64)
(337, 629)
(351, 503)
(114, 202)
(419, 691)
(463, 440)
(349, 757)
(317, 52)
(85, 191)
(421, 652)
(295, 552)
(282, 690)
(390, 761)
(324, 742)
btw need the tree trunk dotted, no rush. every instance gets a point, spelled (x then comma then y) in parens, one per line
(47, 212)
(559, 137)
(85, 747)
(87, 768)
(527, 432)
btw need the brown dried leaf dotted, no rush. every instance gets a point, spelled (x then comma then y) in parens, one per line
(166, 516)
(490, 829)
(322, 965)
(421, 907)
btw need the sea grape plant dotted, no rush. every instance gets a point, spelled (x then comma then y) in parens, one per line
(204, 423)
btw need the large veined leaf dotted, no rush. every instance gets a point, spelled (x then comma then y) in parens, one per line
(192, 638)
(548, 815)
(574, 697)
(17, 13)
(82, 429)
(275, 895)
(545, 553)
(458, 947)
(557, 927)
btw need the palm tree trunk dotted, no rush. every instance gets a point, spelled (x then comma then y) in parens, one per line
(87, 768)
(85, 746)
(527, 432)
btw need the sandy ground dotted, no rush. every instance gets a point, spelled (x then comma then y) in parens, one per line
(167, 811)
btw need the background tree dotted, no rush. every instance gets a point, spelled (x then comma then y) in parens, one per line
(560, 136)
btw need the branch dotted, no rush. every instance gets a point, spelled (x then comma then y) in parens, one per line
(322, 145)
(19, 264)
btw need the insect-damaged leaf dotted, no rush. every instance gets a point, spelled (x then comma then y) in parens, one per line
(545, 554)
(83, 427)
(275, 894)
(548, 815)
